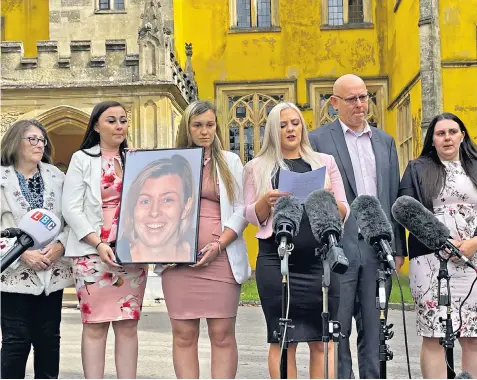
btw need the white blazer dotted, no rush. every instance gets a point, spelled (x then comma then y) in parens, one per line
(232, 216)
(82, 203)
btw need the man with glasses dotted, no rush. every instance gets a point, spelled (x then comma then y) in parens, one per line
(367, 159)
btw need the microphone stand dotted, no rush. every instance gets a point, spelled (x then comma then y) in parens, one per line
(445, 300)
(331, 329)
(383, 273)
(284, 251)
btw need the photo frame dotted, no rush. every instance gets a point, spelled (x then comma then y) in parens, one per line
(158, 220)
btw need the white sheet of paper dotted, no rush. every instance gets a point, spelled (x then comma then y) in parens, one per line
(301, 184)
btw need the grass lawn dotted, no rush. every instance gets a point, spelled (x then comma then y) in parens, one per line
(249, 291)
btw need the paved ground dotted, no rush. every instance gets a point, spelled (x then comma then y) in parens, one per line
(155, 360)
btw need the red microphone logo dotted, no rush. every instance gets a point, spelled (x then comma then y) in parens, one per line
(43, 219)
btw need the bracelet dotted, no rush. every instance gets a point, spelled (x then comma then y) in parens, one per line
(218, 242)
(97, 245)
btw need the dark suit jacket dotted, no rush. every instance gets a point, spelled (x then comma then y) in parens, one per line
(411, 185)
(330, 139)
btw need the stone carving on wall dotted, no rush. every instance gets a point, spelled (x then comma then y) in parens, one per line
(8, 118)
(151, 39)
(188, 66)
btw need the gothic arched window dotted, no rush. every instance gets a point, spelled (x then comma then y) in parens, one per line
(245, 121)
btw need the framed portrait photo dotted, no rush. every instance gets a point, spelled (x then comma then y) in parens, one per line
(160, 203)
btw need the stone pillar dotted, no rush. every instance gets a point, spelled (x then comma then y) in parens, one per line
(430, 59)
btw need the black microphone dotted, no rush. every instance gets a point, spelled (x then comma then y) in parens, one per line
(327, 227)
(287, 215)
(11, 233)
(464, 375)
(374, 225)
(423, 224)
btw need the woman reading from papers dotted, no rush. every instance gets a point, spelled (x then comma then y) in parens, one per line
(286, 146)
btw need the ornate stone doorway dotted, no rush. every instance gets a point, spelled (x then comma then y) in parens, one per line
(66, 127)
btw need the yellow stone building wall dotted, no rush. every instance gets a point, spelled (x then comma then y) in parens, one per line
(27, 21)
(300, 50)
(458, 24)
(402, 55)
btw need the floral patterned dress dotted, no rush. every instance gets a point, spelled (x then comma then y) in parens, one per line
(106, 293)
(456, 207)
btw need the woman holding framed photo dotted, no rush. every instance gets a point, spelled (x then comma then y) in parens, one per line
(211, 288)
(107, 293)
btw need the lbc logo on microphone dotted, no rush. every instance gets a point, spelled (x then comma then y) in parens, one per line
(44, 219)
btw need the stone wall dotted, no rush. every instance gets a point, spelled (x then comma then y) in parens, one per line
(72, 20)
(80, 68)
(152, 110)
(430, 58)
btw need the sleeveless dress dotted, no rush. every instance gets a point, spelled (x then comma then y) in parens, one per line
(456, 207)
(210, 291)
(105, 293)
(305, 275)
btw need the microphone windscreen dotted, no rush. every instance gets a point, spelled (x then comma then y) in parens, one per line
(464, 375)
(287, 209)
(324, 216)
(371, 219)
(420, 222)
(41, 225)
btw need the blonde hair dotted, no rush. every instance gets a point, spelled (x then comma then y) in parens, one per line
(270, 158)
(184, 140)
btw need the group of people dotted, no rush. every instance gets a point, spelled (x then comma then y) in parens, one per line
(359, 159)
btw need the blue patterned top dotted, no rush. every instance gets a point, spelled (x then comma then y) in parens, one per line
(32, 189)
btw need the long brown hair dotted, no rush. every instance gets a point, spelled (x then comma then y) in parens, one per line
(434, 177)
(12, 142)
(184, 140)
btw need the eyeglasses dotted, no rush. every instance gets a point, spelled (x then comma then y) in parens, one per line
(35, 140)
(354, 99)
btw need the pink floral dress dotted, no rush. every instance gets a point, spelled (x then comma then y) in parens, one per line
(106, 293)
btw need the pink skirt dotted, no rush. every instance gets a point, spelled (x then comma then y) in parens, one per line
(206, 292)
(108, 294)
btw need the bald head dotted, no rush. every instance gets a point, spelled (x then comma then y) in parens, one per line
(346, 81)
(350, 99)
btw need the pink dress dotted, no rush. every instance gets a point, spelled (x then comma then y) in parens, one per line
(210, 291)
(105, 293)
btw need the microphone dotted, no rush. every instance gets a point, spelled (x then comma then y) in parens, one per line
(423, 224)
(287, 216)
(327, 227)
(464, 375)
(374, 225)
(38, 228)
(11, 233)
